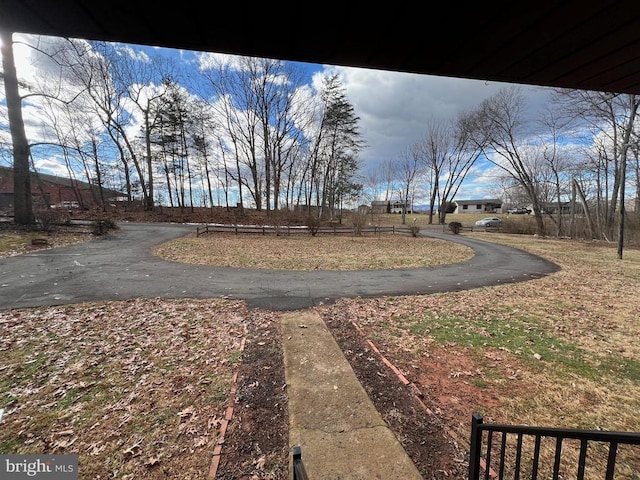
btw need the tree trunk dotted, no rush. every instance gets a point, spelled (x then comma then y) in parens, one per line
(633, 108)
(585, 208)
(149, 205)
(22, 199)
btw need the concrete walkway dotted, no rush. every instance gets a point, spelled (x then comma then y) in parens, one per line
(332, 419)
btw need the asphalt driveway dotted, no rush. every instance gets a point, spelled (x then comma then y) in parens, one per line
(120, 266)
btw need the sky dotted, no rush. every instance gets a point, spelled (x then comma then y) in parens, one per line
(393, 107)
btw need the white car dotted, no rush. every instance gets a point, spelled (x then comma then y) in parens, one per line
(489, 222)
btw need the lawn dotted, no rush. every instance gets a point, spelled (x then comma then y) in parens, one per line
(560, 351)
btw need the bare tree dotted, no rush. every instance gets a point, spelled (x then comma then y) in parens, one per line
(449, 151)
(372, 184)
(499, 131)
(612, 117)
(627, 131)
(136, 80)
(228, 125)
(69, 128)
(236, 104)
(556, 169)
(635, 154)
(89, 66)
(276, 88)
(408, 167)
(387, 173)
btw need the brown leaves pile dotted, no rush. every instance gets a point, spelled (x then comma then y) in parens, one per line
(137, 389)
(15, 242)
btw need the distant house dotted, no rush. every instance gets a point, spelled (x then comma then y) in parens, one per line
(388, 206)
(552, 208)
(491, 205)
(307, 209)
(54, 191)
(380, 206)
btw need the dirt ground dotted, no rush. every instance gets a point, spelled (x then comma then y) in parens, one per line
(256, 444)
(416, 418)
(421, 416)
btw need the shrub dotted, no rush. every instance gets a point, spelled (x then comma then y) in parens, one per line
(313, 223)
(415, 228)
(102, 225)
(455, 227)
(47, 219)
(359, 220)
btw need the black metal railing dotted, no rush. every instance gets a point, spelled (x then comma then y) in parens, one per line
(525, 463)
(299, 473)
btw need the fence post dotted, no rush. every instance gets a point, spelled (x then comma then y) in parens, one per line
(475, 447)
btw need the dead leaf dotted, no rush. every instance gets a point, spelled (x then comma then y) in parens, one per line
(97, 449)
(152, 462)
(214, 422)
(187, 411)
(64, 443)
(261, 462)
(134, 450)
(200, 442)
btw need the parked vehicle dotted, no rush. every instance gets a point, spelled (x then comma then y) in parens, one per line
(519, 211)
(489, 222)
(66, 204)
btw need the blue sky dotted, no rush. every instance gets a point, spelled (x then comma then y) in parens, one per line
(393, 107)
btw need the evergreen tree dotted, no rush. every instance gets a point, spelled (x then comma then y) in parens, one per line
(341, 146)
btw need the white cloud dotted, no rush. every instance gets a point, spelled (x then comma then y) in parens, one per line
(394, 108)
(52, 166)
(134, 53)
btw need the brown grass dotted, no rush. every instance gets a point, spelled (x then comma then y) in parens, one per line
(14, 242)
(302, 252)
(560, 351)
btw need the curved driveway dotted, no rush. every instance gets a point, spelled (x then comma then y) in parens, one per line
(120, 266)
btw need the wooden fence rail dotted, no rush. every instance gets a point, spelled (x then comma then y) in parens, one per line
(295, 230)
